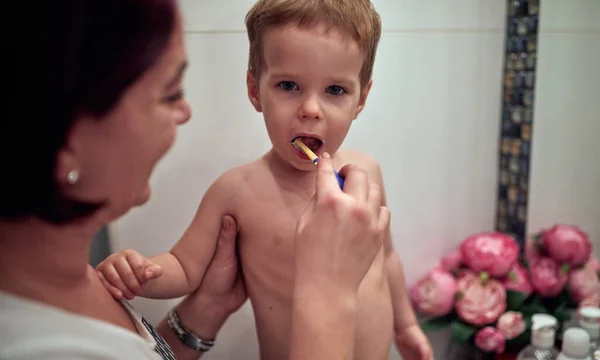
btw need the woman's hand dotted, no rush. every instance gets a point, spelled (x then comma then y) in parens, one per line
(337, 239)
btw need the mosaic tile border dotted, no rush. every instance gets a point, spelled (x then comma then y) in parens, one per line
(517, 117)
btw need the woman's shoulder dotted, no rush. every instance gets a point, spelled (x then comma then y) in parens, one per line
(32, 330)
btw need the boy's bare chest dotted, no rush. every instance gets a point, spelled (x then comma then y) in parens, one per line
(267, 236)
(271, 222)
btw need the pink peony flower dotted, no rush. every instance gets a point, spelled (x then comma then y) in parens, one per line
(583, 283)
(452, 260)
(434, 294)
(518, 280)
(511, 324)
(532, 250)
(547, 277)
(489, 339)
(567, 244)
(480, 301)
(594, 264)
(492, 252)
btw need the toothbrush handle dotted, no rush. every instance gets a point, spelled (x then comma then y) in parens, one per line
(339, 179)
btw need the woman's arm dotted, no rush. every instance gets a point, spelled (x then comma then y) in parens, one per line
(221, 293)
(337, 238)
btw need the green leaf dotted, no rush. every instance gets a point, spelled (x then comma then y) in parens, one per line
(461, 331)
(524, 262)
(562, 313)
(514, 300)
(435, 324)
(533, 308)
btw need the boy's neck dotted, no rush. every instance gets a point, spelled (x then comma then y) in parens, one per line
(289, 178)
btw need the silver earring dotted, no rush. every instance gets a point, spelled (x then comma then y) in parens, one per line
(72, 177)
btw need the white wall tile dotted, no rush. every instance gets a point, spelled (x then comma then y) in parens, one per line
(215, 16)
(571, 15)
(492, 14)
(421, 109)
(396, 15)
(487, 127)
(565, 172)
(427, 14)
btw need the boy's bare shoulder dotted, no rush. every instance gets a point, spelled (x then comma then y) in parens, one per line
(235, 180)
(361, 159)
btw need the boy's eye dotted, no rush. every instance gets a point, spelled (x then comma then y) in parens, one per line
(288, 85)
(335, 90)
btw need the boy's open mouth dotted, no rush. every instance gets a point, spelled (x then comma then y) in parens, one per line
(314, 144)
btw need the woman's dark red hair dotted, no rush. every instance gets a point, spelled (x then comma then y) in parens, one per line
(85, 54)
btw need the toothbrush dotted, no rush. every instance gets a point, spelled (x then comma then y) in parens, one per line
(311, 155)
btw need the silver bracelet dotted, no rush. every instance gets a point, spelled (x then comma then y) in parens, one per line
(185, 335)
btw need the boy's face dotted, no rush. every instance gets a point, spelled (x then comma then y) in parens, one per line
(309, 86)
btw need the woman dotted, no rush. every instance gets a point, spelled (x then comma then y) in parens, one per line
(108, 100)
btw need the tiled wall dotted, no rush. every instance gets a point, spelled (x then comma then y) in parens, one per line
(565, 154)
(520, 59)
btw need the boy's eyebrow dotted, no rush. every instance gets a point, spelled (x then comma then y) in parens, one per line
(177, 76)
(332, 79)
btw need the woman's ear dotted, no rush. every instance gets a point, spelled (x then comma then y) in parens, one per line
(68, 162)
(253, 95)
(363, 99)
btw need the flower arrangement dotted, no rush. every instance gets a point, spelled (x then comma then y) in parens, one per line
(487, 292)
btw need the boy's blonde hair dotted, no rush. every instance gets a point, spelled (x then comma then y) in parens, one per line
(356, 19)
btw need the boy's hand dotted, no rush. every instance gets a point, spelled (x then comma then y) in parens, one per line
(125, 273)
(413, 344)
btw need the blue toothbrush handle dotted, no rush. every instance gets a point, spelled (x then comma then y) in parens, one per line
(339, 179)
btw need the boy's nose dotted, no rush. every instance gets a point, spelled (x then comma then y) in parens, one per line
(310, 109)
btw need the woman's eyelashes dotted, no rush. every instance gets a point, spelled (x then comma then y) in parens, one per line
(174, 97)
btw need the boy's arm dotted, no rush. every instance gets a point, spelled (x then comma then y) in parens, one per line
(404, 315)
(185, 264)
(410, 339)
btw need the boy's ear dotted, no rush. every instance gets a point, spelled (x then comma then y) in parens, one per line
(363, 99)
(252, 86)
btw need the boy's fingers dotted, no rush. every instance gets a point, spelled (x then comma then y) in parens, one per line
(113, 277)
(127, 275)
(138, 265)
(116, 293)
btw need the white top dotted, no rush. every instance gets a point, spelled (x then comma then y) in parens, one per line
(543, 331)
(576, 344)
(34, 331)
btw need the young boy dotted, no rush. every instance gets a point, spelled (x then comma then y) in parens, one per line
(309, 73)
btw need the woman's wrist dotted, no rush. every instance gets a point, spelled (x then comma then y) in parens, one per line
(323, 322)
(202, 315)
